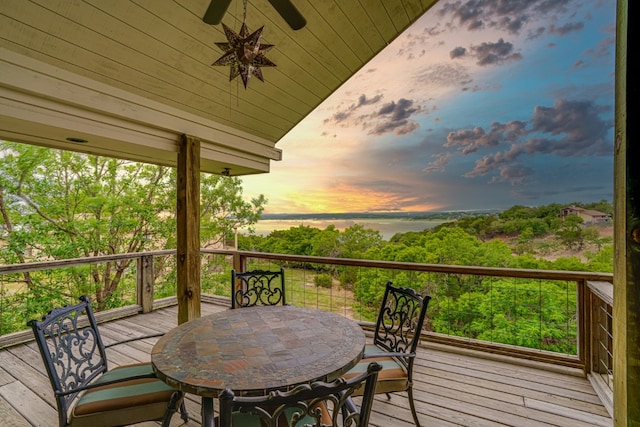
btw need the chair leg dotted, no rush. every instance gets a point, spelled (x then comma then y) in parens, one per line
(413, 407)
(177, 399)
(183, 412)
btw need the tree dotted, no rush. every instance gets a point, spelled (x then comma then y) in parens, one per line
(326, 242)
(570, 232)
(452, 246)
(356, 239)
(223, 209)
(60, 205)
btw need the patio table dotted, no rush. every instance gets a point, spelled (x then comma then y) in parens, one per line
(256, 349)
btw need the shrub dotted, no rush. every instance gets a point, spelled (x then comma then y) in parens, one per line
(323, 281)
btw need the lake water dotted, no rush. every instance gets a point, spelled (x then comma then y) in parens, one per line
(386, 226)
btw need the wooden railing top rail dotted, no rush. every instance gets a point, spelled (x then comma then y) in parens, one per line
(603, 289)
(599, 284)
(434, 268)
(72, 262)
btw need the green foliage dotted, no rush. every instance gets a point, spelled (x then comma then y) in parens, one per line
(323, 281)
(601, 206)
(295, 241)
(452, 246)
(223, 209)
(60, 205)
(326, 242)
(355, 240)
(570, 232)
(601, 261)
(531, 314)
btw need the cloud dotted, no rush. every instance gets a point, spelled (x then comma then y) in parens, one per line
(494, 53)
(457, 52)
(516, 175)
(442, 75)
(363, 100)
(442, 159)
(510, 16)
(566, 28)
(393, 117)
(591, 192)
(469, 140)
(342, 117)
(490, 134)
(568, 129)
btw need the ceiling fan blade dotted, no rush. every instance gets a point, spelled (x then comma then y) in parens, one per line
(289, 13)
(216, 11)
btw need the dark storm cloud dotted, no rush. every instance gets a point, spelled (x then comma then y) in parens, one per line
(568, 129)
(509, 16)
(457, 52)
(514, 174)
(342, 117)
(584, 132)
(506, 15)
(394, 117)
(363, 100)
(469, 140)
(494, 53)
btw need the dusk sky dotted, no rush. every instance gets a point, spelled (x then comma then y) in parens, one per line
(481, 104)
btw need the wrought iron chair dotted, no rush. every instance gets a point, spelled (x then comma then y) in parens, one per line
(395, 341)
(318, 404)
(86, 392)
(257, 287)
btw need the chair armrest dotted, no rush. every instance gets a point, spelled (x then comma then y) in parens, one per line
(142, 337)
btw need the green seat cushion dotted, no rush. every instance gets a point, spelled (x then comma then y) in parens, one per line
(128, 371)
(125, 402)
(392, 377)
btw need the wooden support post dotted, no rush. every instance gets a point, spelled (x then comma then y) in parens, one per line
(145, 273)
(239, 264)
(188, 229)
(626, 278)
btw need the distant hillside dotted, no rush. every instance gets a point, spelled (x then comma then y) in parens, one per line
(444, 215)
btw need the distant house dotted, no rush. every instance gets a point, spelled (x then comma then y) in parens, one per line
(587, 215)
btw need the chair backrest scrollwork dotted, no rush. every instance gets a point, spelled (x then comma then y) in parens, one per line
(257, 287)
(400, 321)
(319, 404)
(72, 350)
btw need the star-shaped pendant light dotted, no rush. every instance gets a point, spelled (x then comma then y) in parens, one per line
(244, 52)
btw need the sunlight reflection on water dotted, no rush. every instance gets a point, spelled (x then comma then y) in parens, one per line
(387, 226)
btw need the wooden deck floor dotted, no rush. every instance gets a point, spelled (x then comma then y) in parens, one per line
(451, 389)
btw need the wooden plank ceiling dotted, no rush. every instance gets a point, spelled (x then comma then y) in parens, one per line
(131, 76)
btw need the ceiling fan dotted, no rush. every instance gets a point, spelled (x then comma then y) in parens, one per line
(285, 8)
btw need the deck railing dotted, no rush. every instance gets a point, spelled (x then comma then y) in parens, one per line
(600, 348)
(558, 317)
